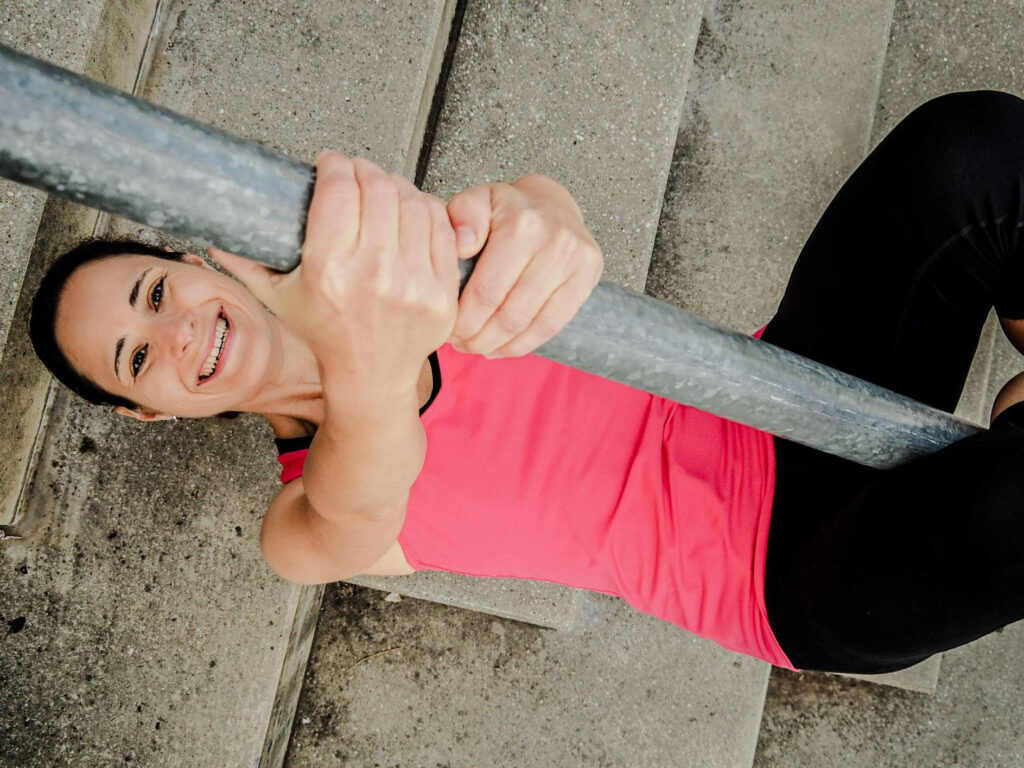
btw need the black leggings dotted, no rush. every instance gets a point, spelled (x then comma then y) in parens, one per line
(871, 570)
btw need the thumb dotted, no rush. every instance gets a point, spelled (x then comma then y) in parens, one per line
(470, 216)
(251, 274)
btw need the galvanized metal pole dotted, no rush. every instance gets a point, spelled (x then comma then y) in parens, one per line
(88, 142)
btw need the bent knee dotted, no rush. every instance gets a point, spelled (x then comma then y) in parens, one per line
(968, 121)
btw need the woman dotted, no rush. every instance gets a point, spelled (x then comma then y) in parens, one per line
(536, 470)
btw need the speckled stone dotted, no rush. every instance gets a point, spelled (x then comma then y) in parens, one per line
(535, 602)
(140, 625)
(589, 93)
(103, 40)
(60, 31)
(410, 683)
(973, 718)
(777, 116)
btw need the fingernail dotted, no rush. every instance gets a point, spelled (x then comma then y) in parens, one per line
(464, 237)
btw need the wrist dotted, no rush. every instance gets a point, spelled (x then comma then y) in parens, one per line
(350, 389)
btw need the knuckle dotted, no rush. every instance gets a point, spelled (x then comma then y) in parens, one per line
(437, 208)
(332, 161)
(514, 319)
(379, 186)
(564, 242)
(527, 222)
(596, 261)
(417, 206)
(547, 325)
(403, 184)
(487, 295)
(381, 281)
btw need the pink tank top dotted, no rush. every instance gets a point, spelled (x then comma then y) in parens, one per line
(536, 470)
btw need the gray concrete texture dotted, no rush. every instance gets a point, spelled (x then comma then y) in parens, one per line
(777, 115)
(141, 622)
(973, 718)
(103, 40)
(535, 602)
(417, 684)
(51, 31)
(590, 95)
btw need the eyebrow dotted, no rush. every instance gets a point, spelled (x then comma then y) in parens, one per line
(133, 298)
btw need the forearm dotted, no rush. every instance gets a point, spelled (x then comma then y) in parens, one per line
(368, 451)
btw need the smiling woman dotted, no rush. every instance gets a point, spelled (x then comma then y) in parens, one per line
(157, 317)
(540, 471)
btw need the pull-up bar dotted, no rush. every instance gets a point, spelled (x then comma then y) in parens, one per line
(83, 140)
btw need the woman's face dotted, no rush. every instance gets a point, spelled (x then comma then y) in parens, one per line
(149, 330)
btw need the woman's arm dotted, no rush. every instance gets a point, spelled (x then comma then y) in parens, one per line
(376, 293)
(347, 509)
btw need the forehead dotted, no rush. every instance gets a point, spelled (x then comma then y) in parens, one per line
(94, 313)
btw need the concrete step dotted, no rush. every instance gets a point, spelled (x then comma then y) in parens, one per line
(104, 40)
(148, 612)
(416, 684)
(778, 114)
(811, 720)
(535, 602)
(590, 96)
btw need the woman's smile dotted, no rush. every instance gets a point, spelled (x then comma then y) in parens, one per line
(215, 354)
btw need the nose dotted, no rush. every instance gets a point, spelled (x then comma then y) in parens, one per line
(175, 334)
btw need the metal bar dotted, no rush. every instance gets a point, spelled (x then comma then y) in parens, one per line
(83, 140)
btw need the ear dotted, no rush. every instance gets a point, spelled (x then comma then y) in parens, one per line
(142, 415)
(196, 260)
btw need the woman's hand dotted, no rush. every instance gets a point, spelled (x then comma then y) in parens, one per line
(377, 288)
(538, 267)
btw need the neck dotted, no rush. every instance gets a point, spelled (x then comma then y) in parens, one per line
(296, 391)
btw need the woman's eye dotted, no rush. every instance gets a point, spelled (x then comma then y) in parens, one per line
(158, 293)
(138, 359)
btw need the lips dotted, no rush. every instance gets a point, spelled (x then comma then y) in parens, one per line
(228, 336)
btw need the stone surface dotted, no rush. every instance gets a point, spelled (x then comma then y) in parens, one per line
(588, 93)
(103, 39)
(976, 399)
(535, 602)
(777, 116)
(140, 622)
(973, 719)
(140, 610)
(923, 677)
(416, 684)
(62, 32)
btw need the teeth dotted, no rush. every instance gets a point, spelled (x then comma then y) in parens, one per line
(218, 346)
